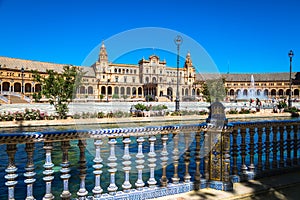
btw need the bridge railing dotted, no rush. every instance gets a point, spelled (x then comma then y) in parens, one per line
(264, 148)
(142, 162)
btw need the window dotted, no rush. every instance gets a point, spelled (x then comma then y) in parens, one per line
(134, 71)
(125, 79)
(117, 79)
(133, 79)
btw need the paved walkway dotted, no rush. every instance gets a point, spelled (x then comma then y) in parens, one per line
(148, 120)
(283, 187)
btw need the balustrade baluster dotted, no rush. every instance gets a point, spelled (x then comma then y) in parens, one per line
(226, 154)
(29, 174)
(234, 152)
(281, 143)
(197, 159)
(206, 157)
(288, 145)
(251, 149)
(65, 146)
(243, 150)
(187, 152)
(175, 177)
(152, 159)
(127, 164)
(295, 145)
(97, 190)
(112, 188)
(82, 192)
(48, 170)
(275, 146)
(267, 148)
(140, 163)
(164, 159)
(10, 170)
(259, 148)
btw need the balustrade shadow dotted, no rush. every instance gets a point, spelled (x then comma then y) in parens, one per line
(144, 162)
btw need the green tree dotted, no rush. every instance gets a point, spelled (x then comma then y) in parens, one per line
(59, 88)
(214, 89)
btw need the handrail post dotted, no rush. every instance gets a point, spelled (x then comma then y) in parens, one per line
(10, 170)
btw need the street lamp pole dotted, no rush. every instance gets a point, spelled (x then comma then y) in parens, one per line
(178, 42)
(291, 54)
(22, 75)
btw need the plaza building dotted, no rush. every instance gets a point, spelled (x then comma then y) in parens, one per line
(149, 79)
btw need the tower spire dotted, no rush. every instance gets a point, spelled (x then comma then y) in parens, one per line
(188, 61)
(103, 53)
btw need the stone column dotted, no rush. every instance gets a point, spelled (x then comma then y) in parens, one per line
(97, 166)
(48, 172)
(29, 174)
(11, 170)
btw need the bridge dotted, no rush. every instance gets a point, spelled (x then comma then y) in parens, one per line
(144, 162)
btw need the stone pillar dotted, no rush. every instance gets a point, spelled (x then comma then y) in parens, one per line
(29, 174)
(152, 160)
(112, 164)
(97, 166)
(11, 170)
(48, 172)
(127, 164)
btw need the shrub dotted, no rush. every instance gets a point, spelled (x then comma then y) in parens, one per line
(244, 111)
(233, 111)
(76, 116)
(294, 114)
(100, 115)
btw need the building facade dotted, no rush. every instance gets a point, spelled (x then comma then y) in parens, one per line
(150, 79)
(104, 81)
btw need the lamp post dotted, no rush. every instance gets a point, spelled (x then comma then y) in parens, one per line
(22, 75)
(108, 81)
(291, 54)
(178, 42)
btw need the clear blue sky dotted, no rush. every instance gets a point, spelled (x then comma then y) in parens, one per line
(244, 35)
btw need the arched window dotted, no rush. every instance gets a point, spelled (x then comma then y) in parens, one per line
(82, 90)
(103, 90)
(273, 92)
(6, 86)
(27, 87)
(134, 91)
(109, 90)
(140, 91)
(90, 90)
(122, 90)
(153, 80)
(231, 92)
(128, 91)
(17, 87)
(116, 90)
